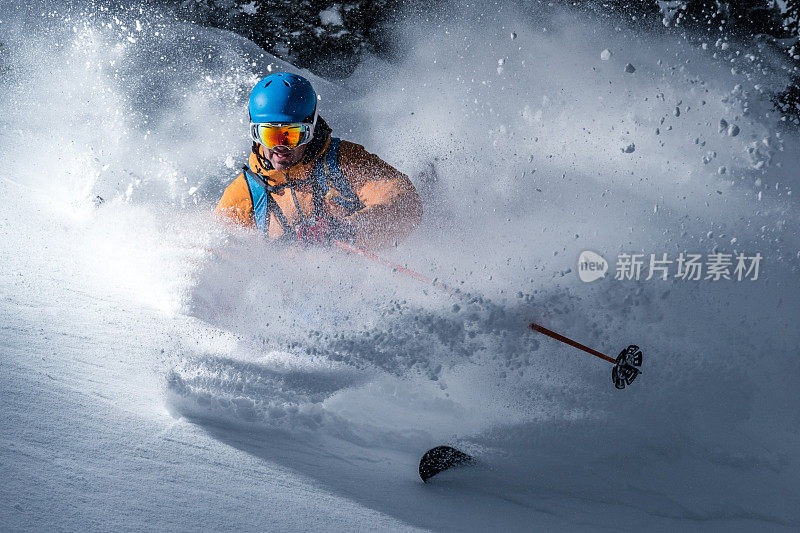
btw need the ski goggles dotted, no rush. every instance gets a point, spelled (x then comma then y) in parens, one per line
(288, 135)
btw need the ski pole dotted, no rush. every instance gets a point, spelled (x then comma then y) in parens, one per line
(626, 365)
(395, 267)
(567, 340)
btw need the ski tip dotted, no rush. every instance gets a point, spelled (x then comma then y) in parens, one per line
(442, 458)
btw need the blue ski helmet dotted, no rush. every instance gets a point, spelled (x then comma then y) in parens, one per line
(283, 97)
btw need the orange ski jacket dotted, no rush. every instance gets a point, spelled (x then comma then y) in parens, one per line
(378, 201)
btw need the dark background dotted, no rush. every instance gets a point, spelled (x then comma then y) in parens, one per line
(294, 30)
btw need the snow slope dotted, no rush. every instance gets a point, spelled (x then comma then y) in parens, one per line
(162, 372)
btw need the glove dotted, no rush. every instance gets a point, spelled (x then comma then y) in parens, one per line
(322, 231)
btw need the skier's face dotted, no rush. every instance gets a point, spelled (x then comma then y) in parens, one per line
(283, 158)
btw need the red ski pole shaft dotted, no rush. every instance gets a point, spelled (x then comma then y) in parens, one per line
(394, 266)
(574, 344)
(425, 279)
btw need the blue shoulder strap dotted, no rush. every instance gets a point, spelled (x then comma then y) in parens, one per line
(327, 173)
(263, 203)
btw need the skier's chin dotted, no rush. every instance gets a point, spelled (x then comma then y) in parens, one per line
(284, 158)
(280, 164)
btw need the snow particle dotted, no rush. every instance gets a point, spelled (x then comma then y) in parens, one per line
(723, 125)
(630, 69)
(331, 16)
(629, 149)
(606, 54)
(722, 170)
(513, 35)
(677, 111)
(250, 8)
(733, 130)
(708, 157)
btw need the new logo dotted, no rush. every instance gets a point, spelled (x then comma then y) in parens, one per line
(591, 266)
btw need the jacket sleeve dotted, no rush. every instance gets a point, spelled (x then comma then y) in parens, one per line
(392, 206)
(236, 206)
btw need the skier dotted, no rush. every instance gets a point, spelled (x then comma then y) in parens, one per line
(303, 185)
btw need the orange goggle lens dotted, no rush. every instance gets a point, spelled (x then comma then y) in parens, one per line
(271, 135)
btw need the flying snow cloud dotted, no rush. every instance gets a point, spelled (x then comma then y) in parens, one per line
(539, 141)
